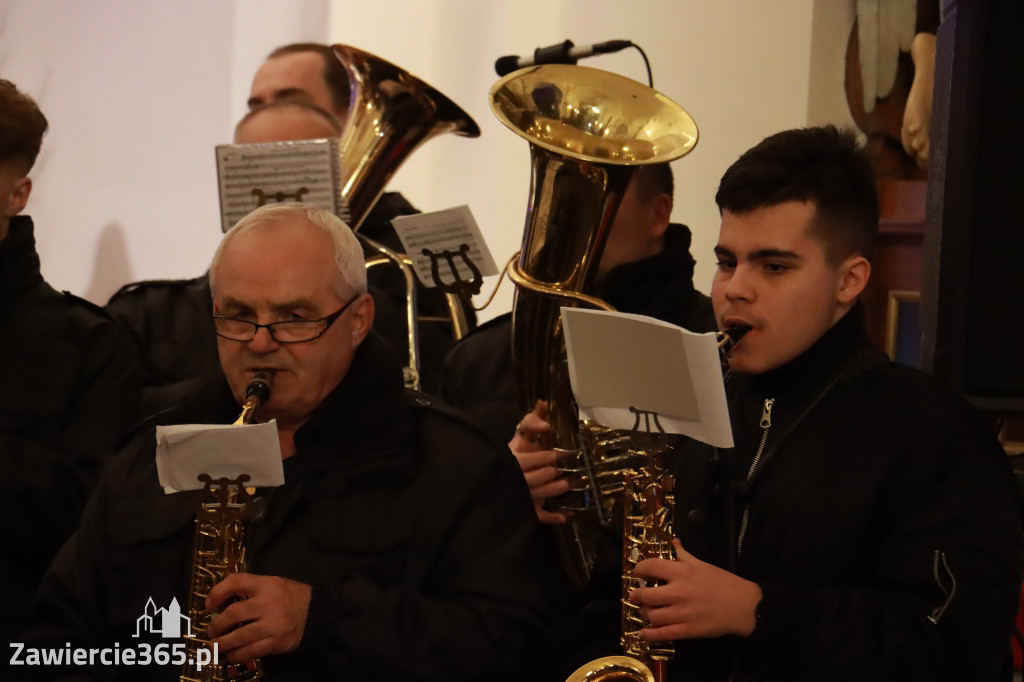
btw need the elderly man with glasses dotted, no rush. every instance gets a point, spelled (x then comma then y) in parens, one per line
(402, 545)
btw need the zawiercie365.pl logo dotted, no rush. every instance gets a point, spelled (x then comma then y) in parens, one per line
(168, 622)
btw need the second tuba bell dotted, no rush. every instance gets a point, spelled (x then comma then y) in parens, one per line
(391, 113)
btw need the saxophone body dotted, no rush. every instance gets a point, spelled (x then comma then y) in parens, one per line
(648, 507)
(219, 550)
(647, 511)
(589, 131)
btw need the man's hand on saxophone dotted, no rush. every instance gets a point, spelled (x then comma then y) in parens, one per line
(528, 445)
(269, 619)
(694, 600)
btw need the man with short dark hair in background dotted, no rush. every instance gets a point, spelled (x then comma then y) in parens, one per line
(70, 382)
(312, 72)
(645, 268)
(170, 319)
(864, 526)
(302, 71)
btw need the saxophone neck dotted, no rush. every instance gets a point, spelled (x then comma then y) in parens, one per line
(248, 414)
(256, 393)
(728, 338)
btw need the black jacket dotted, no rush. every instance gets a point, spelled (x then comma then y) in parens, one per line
(70, 389)
(477, 374)
(880, 522)
(418, 538)
(171, 325)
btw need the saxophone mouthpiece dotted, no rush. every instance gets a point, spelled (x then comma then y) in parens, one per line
(728, 339)
(259, 386)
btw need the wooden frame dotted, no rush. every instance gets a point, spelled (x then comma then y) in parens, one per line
(903, 327)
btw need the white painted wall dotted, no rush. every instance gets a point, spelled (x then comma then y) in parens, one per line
(740, 68)
(138, 94)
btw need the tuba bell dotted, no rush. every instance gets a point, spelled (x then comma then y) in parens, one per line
(391, 113)
(589, 130)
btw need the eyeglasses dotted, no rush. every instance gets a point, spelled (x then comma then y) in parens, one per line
(288, 331)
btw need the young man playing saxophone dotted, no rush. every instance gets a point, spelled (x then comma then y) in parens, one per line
(401, 546)
(864, 526)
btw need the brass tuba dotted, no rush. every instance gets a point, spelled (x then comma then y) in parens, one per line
(391, 113)
(588, 132)
(219, 550)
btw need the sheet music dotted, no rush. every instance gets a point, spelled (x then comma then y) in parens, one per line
(251, 175)
(619, 360)
(444, 230)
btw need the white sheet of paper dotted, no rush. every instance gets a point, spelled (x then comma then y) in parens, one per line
(184, 451)
(619, 360)
(439, 231)
(251, 175)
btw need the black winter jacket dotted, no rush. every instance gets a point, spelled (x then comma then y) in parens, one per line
(418, 538)
(880, 522)
(70, 389)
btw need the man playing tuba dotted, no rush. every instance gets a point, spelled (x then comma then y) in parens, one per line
(169, 319)
(646, 268)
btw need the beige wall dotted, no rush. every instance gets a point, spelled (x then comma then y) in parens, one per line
(139, 93)
(742, 70)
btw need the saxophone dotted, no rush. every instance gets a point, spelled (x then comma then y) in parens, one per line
(219, 550)
(648, 506)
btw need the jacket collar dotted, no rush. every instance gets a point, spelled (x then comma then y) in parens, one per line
(362, 426)
(19, 262)
(819, 365)
(358, 431)
(799, 385)
(631, 287)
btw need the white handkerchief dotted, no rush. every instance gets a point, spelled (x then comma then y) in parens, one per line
(184, 451)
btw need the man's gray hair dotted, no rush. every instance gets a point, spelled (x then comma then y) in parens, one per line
(348, 251)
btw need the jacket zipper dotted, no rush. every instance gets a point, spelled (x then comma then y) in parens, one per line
(938, 611)
(765, 424)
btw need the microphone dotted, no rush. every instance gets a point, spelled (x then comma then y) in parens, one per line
(562, 53)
